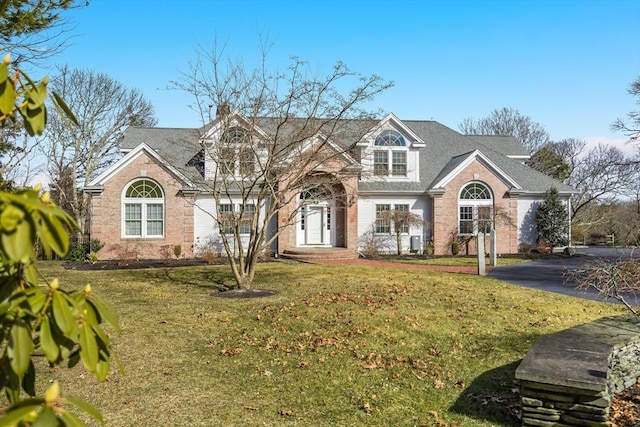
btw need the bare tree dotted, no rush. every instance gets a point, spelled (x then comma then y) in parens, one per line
(630, 125)
(401, 222)
(602, 173)
(618, 278)
(104, 108)
(508, 121)
(276, 132)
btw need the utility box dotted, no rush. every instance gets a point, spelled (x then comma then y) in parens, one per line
(415, 244)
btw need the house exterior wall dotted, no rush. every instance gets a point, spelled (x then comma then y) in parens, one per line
(107, 222)
(527, 210)
(445, 211)
(207, 237)
(386, 243)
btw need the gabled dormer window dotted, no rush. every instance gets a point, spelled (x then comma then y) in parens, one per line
(235, 154)
(390, 154)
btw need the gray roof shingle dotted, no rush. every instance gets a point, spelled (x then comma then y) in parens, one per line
(444, 150)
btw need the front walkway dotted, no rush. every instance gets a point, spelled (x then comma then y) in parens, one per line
(362, 262)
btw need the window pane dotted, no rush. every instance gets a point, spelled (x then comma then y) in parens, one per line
(227, 161)
(399, 166)
(154, 219)
(404, 227)
(154, 211)
(226, 217)
(154, 228)
(133, 211)
(466, 220)
(383, 224)
(381, 163)
(484, 219)
(144, 188)
(247, 218)
(475, 191)
(390, 138)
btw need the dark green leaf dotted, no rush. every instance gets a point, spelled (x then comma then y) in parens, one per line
(63, 315)
(47, 341)
(105, 311)
(29, 380)
(19, 244)
(20, 347)
(56, 236)
(88, 348)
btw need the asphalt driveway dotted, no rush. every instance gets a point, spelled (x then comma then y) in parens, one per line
(547, 274)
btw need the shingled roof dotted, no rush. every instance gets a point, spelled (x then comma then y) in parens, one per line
(444, 149)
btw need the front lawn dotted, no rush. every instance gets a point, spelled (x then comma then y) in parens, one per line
(336, 346)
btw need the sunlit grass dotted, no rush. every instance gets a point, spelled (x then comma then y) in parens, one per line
(336, 346)
(457, 261)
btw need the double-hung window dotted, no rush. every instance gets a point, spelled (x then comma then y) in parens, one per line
(243, 214)
(236, 156)
(402, 217)
(383, 222)
(143, 209)
(246, 219)
(226, 217)
(475, 209)
(390, 154)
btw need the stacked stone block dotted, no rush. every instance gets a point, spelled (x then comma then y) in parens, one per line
(569, 378)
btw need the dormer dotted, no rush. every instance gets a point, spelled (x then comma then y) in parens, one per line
(391, 122)
(230, 147)
(390, 152)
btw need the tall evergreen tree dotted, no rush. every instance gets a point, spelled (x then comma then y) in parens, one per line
(552, 219)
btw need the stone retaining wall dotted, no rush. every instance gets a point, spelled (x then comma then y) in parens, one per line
(568, 378)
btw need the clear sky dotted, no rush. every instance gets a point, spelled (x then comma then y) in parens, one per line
(567, 64)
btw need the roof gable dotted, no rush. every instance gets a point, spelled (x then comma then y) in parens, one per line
(459, 163)
(391, 121)
(142, 149)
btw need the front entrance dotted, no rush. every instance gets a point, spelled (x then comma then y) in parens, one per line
(315, 227)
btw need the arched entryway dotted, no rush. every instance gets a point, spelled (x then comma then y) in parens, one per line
(321, 215)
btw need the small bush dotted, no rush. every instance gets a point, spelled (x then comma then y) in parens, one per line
(92, 257)
(455, 247)
(177, 251)
(80, 250)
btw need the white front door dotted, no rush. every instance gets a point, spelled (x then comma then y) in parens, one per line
(314, 226)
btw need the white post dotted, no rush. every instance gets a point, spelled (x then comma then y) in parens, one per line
(480, 246)
(493, 255)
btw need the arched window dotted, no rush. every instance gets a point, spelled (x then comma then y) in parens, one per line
(390, 138)
(475, 209)
(143, 209)
(390, 154)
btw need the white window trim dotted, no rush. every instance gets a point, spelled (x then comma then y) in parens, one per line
(474, 204)
(144, 202)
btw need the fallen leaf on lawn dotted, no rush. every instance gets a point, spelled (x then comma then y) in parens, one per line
(287, 412)
(438, 384)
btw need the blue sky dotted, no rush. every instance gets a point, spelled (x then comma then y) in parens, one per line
(567, 64)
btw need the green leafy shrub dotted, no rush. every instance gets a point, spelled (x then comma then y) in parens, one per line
(65, 327)
(455, 247)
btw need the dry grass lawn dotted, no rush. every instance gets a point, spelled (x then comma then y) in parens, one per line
(336, 346)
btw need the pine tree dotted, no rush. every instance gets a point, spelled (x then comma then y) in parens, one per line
(552, 219)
